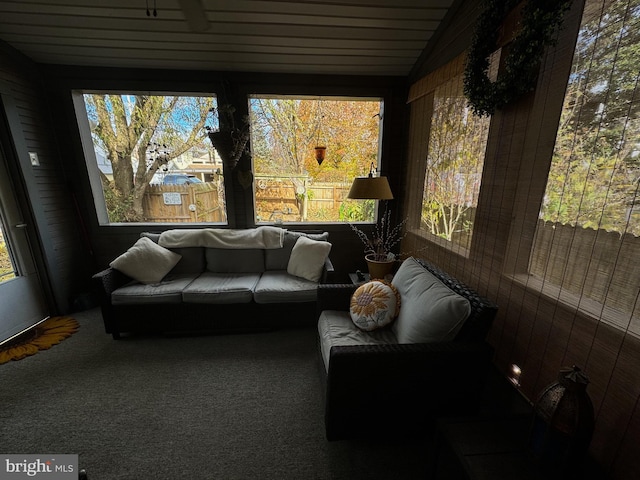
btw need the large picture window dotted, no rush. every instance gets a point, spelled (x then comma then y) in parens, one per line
(587, 244)
(306, 152)
(151, 159)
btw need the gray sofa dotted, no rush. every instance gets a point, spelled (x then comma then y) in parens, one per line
(207, 288)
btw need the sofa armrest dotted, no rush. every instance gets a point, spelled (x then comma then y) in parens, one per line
(110, 279)
(105, 283)
(327, 271)
(401, 387)
(334, 296)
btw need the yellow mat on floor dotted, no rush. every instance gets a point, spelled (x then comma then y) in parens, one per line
(41, 337)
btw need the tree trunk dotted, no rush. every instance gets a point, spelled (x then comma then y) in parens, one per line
(136, 207)
(122, 172)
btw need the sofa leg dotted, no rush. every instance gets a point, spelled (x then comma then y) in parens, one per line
(115, 335)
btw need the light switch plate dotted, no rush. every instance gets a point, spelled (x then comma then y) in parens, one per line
(33, 156)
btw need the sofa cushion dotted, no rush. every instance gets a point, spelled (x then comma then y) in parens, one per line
(220, 288)
(307, 258)
(335, 328)
(192, 261)
(167, 291)
(249, 260)
(278, 258)
(146, 262)
(374, 305)
(430, 311)
(280, 287)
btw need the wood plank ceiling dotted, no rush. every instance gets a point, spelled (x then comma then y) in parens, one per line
(353, 37)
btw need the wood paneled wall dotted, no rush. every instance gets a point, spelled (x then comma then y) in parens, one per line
(535, 331)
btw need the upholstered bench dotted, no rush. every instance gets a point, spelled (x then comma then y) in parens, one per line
(427, 358)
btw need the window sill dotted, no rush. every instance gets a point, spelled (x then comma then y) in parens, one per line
(441, 242)
(589, 308)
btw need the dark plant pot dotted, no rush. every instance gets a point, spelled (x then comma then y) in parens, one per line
(379, 267)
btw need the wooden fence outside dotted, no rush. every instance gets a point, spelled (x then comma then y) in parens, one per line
(200, 202)
(278, 198)
(604, 266)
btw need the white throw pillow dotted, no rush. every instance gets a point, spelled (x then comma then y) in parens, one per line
(431, 311)
(307, 258)
(146, 261)
(374, 304)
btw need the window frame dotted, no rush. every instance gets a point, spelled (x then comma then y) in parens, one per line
(91, 161)
(379, 154)
(422, 99)
(566, 293)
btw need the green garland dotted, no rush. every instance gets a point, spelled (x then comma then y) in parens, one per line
(540, 20)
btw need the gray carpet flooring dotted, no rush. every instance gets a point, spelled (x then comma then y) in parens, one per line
(220, 407)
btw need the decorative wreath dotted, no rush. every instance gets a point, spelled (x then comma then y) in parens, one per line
(540, 20)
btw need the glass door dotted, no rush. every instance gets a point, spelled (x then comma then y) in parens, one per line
(7, 267)
(22, 301)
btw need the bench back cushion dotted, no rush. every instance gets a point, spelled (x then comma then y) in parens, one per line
(192, 260)
(430, 311)
(222, 260)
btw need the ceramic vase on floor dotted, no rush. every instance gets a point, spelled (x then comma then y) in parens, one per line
(563, 423)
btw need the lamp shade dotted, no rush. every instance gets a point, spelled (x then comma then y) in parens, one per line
(374, 188)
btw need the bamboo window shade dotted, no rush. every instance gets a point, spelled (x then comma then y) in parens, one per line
(556, 233)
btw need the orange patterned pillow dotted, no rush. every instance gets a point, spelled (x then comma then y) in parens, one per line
(374, 304)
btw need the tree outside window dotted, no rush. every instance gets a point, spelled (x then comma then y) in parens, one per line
(587, 238)
(593, 180)
(455, 158)
(138, 140)
(291, 184)
(156, 163)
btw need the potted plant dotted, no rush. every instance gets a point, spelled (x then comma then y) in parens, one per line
(229, 140)
(378, 246)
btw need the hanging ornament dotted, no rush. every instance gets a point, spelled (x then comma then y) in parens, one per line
(320, 148)
(320, 153)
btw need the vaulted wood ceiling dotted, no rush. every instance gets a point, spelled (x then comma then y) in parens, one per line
(352, 37)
